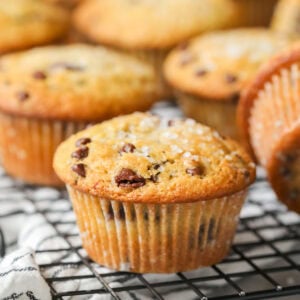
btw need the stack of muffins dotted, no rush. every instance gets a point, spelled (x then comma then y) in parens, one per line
(151, 194)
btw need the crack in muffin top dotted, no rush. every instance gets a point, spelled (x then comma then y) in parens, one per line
(143, 158)
(76, 82)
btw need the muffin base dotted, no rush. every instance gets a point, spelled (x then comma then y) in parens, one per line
(27, 147)
(220, 115)
(254, 12)
(156, 238)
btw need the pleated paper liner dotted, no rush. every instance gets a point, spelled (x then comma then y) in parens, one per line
(156, 238)
(27, 146)
(254, 12)
(220, 115)
(274, 128)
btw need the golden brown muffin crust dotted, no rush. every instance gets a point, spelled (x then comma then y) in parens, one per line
(219, 65)
(27, 23)
(75, 82)
(141, 158)
(148, 24)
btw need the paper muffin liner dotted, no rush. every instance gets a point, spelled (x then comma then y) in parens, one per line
(27, 146)
(274, 128)
(156, 238)
(254, 12)
(156, 58)
(220, 115)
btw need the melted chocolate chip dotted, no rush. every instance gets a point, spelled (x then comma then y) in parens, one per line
(183, 46)
(82, 141)
(128, 148)
(39, 75)
(66, 66)
(230, 78)
(154, 177)
(200, 72)
(171, 123)
(22, 96)
(80, 153)
(194, 171)
(156, 166)
(79, 169)
(235, 97)
(128, 178)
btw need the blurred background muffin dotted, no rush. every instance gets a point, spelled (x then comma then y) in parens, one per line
(254, 12)
(150, 28)
(28, 23)
(49, 93)
(286, 17)
(210, 72)
(269, 119)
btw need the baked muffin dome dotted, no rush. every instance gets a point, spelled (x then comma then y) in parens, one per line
(27, 23)
(146, 24)
(75, 82)
(140, 158)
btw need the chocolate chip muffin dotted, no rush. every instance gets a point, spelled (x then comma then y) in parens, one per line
(269, 118)
(286, 17)
(210, 71)
(150, 28)
(28, 23)
(154, 195)
(49, 93)
(254, 12)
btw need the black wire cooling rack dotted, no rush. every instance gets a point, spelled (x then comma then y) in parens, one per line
(264, 262)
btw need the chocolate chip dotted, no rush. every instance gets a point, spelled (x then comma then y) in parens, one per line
(194, 171)
(171, 123)
(294, 194)
(235, 97)
(128, 178)
(66, 66)
(79, 169)
(183, 46)
(200, 72)
(127, 148)
(39, 75)
(82, 141)
(156, 166)
(154, 177)
(22, 96)
(246, 174)
(285, 172)
(230, 78)
(80, 153)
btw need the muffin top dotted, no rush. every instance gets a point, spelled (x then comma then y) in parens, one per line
(142, 158)
(286, 17)
(148, 24)
(218, 65)
(27, 23)
(75, 82)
